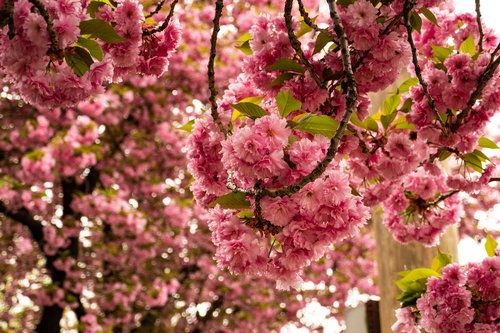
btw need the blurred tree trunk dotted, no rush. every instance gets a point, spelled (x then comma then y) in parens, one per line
(393, 257)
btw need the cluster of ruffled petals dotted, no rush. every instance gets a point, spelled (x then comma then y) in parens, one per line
(43, 54)
(452, 78)
(417, 209)
(462, 299)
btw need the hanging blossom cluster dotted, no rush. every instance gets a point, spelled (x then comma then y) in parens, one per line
(257, 157)
(58, 53)
(462, 299)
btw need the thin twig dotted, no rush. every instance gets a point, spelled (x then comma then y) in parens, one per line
(408, 6)
(219, 5)
(159, 6)
(479, 25)
(351, 97)
(165, 23)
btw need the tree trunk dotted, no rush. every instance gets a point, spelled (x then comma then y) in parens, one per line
(393, 257)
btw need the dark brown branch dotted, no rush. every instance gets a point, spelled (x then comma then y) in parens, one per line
(351, 97)
(309, 22)
(165, 23)
(408, 6)
(494, 179)
(479, 25)
(54, 42)
(219, 5)
(297, 46)
(157, 9)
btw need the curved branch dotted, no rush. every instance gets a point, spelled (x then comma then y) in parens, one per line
(157, 9)
(219, 5)
(165, 23)
(479, 25)
(408, 6)
(351, 97)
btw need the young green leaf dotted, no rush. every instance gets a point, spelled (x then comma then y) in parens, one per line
(314, 124)
(391, 104)
(233, 200)
(487, 143)
(468, 46)
(441, 53)
(415, 21)
(250, 109)
(92, 46)
(188, 127)
(287, 103)
(491, 245)
(100, 29)
(321, 42)
(440, 260)
(282, 78)
(429, 15)
(286, 64)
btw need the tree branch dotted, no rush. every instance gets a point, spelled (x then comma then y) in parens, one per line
(408, 6)
(157, 9)
(165, 23)
(479, 25)
(351, 97)
(219, 5)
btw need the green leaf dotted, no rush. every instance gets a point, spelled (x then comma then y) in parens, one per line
(93, 7)
(429, 15)
(405, 86)
(440, 260)
(250, 109)
(487, 143)
(77, 63)
(281, 79)
(417, 274)
(468, 46)
(441, 53)
(245, 38)
(490, 246)
(370, 124)
(473, 162)
(407, 105)
(92, 46)
(287, 103)
(233, 200)
(482, 156)
(314, 124)
(100, 29)
(304, 28)
(286, 64)
(391, 104)
(84, 55)
(321, 42)
(415, 21)
(188, 127)
(402, 123)
(245, 48)
(443, 155)
(387, 120)
(252, 99)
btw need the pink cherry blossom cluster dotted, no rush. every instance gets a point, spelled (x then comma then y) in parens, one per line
(43, 52)
(462, 299)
